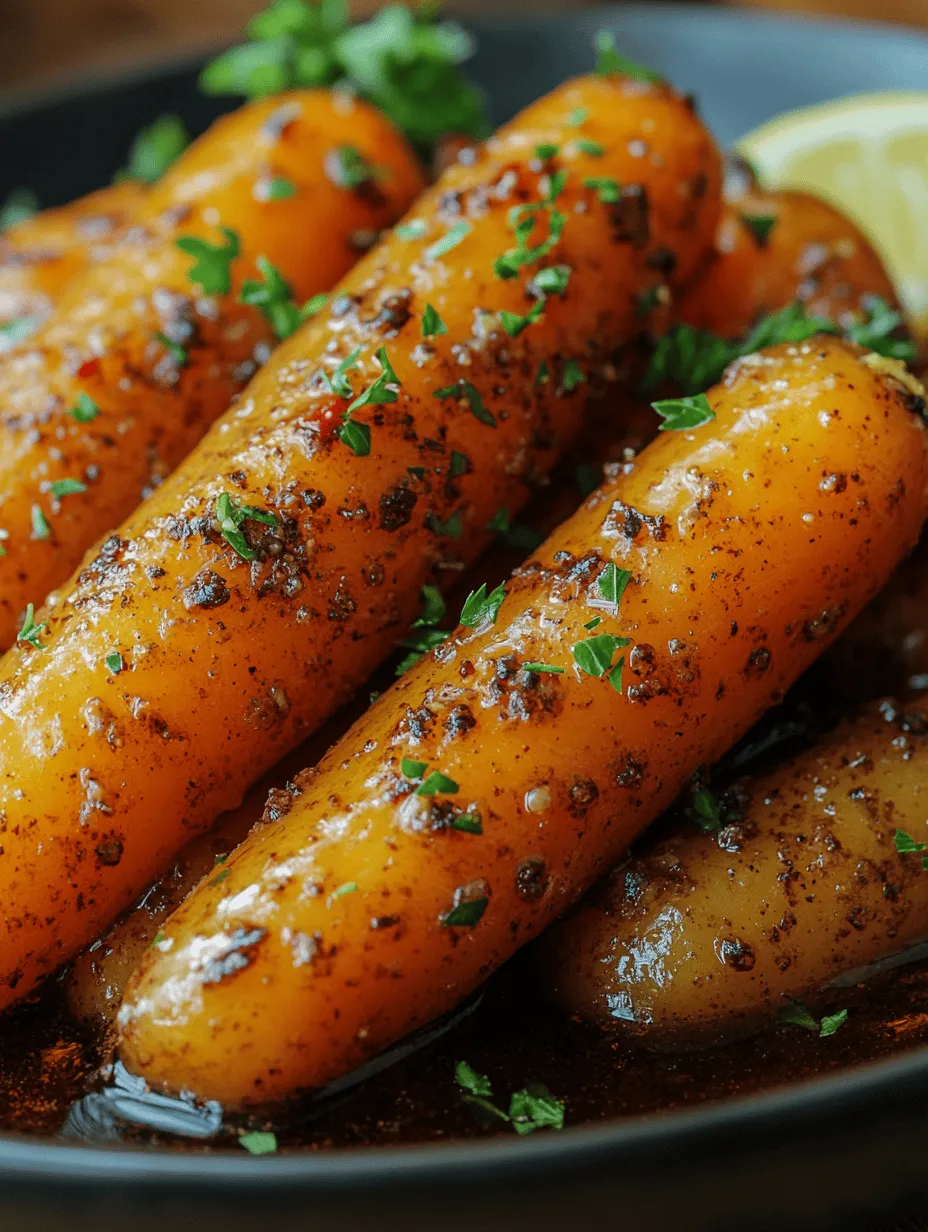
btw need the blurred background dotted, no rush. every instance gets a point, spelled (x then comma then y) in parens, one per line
(40, 39)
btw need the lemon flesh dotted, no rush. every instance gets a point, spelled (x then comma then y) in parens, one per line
(868, 156)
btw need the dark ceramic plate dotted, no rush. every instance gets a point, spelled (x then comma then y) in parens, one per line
(834, 1152)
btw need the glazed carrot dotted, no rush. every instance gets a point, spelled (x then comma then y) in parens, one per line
(705, 935)
(258, 587)
(40, 256)
(482, 794)
(146, 349)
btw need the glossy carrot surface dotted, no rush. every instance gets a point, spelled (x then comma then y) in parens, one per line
(147, 348)
(483, 794)
(263, 581)
(40, 256)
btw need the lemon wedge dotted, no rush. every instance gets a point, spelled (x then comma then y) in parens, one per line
(867, 155)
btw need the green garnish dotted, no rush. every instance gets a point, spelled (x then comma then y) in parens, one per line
(448, 241)
(612, 582)
(543, 668)
(412, 230)
(522, 219)
(466, 914)
(464, 389)
(220, 877)
(480, 606)
(40, 526)
(607, 189)
(514, 324)
(278, 189)
(174, 349)
(271, 294)
(876, 332)
(413, 769)
(230, 517)
(85, 410)
(358, 436)
(406, 63)
(594, 656)
(680, 414)
(347, 887)
(259, 1143)
(154, 149)
(707, 809)
(543, 375)
(21, 204)
(522, 538)
(592, 148)
(157, 939)
(338, 382)
(449, 529)
(66, 487)
(760, 226)
(797, 1014)
(573, 376)
(19, 328)
(30, 632)
(419, 644)
(459, 465)
(469, 823)
(114, 661)
(315, 304)
(594, 623)
(529, 1109)
(553, 280)
(211, 270)
(432, 323)
(546, 150)
(907, 845)
(578, 116)
(433, 608)
(437, 782)
(349, 168)
(609, 60)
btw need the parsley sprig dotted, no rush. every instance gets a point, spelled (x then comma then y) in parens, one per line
(533, 1107)
(480, 607)
(230, 517)
(154, 149)
(906, 845)
(30, 631)
(797, 1014)
(212, 265)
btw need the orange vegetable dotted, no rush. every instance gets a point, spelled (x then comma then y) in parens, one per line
(262, 582)
(705, 935)
(40, 256)
(138, 360)
(479, 797)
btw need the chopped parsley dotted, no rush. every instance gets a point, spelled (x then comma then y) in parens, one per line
(522, 538)
(338, 382)
(315, 304)
(212, 265)
(578, 116)
(357, 437)
(19, 328)
(594, 623)
(612, 582)
(609, 60)
(415, 229)
(514, 324)
(21, 204)
(231, 516)
(480, 606)
(680, 414)
(760, 226)
(707, 809)
(155, 148)
(543, 668)
(594, 656)
(876, 333)
(436, 783)
(259, 1142)
(469, 823)
(450, 528)
(419, 644)
(174, 349)
(573, 376)
(220, 877)
(797, 1014)
(591, 148)
(40, 526)
(347, 887)
(464, 389)
(30, 631)
(413, 769)
(382, 389)
(607, 189)
(433, 608)
(278, 189)
(465, 914)
(448, 241)
(432, 324)
(66, 487)
(522, 220)
(553, 280)
(460, 464)
(349, 168)
(271, 294)
(533, 1107)
(114, 662)
(907, 845)
(85, 410)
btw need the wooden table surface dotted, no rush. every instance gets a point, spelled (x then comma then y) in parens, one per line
(42, 38)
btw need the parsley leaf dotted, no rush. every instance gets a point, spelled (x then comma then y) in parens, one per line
(449, 529)
(553, 280)
(114, 662)
(432, 324)
(612, 582)
(419, 644)
(573, 376)
(174, 349)
(464, 389)
(514, 324)
(543, 668)
(412, 230)
(357, 436)
(907, 845)
(607, 189)
(797, 1014)
(707, 809)
(85, 410)
(465, 914)
(469, 823)
(760, 226)
(609, 60)
(66, 487)
(40, 526)
(272, 295)
(347, 167)
(230, 517)
(592, 148)
(338, 382)
(594, 655)
(448, 241)
(480, 606)
(468, 1078)
(21, 204)
(535, 1109)
(437, 782)
(680, 414)
(347, 887)
(30, 632)
(155, 148)
(259, 1142)
(211, 269)
(876, 333)
(379, 391)
(459, 465)
(277, 189)
(413, 769)
(433, 608)
(578, 116)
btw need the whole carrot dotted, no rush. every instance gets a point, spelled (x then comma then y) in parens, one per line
(483, 794)
(262, 582)
(147, 348)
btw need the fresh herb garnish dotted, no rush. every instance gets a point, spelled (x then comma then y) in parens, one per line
(419, 644)
(907, 845)
(40, 526)
(760, 226)
(381, 390)
(412, 230)
(449, 529)
(271, 294)
(594, 656)
(578, 116)
(572, 377)
(174, 349)
(349, 168)
(432, 324)
(448, 241)
(16, 330)
(465, 914)
(543, 669)
(707, 809)
(211, 270)
(230, 517)
(607, 189)
(522, 220)
(612, 582)
(593, 624)
(532, 1108)
(66, 487)
(277, 189)
(522, 538)
(469, 823)
(480, 606)
(609, 60)
(30, 632)
(338, 382)
(459, 465)
(260, 1142)
(797, 1014)
(591, 148)
(680, 414)
(464, 389)
(436, 783)
(347, 887)
(357, 437)
(85, 410)
(433, 608)
(21, 204)
(114, 662)
(413, 769)
(315, 304)
(155, 148)
(552, 280)
(514, 324)
(876, 333)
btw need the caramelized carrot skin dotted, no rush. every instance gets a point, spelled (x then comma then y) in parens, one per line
(706, 935)
(326, 941)
(227, 662)
(103, 339)
(812, 254)
(40, 256)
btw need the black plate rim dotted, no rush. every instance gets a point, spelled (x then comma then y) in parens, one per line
(796, 1107)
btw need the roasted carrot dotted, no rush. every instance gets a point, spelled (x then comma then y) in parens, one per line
(146, 349)
(704, 935)
(482, 794)
(40, 256)
(261, 583)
